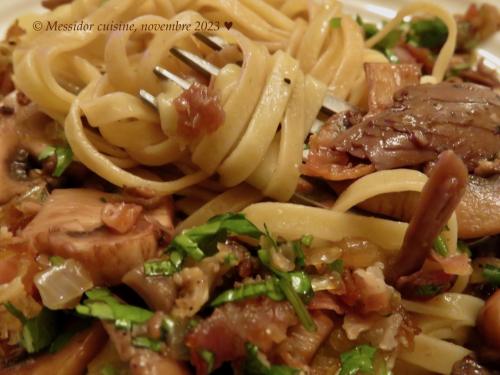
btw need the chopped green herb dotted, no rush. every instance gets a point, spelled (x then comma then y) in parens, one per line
(38, 332)
(101, 304)
(159, 268)
(231, 260)
(301, 284)
(56, 260)
(492, 274)
(300, 259)
(335, 22)
(337, 266)
(256, 363)
(269, 288)
(393, 58)
(369, 29)
(359, 359)
(209, 358)
(64, 157)
(307, 240)
(428, 33)
(288, 282)
(427, 290)
(190, 242)
(108, 369)
(47, 152)
(15, 312)
(147, 343)
(299, 307)
(440, 246)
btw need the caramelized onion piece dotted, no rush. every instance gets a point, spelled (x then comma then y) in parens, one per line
(439, 198)
(62, 286)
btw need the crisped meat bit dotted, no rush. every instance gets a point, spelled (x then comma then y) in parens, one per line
(121, 217)
(261, 321)
(199, 111)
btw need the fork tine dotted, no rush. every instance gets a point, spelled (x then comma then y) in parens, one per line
(148, 98)
(212, 41)
(164, 73)
(331, 104)
(195, 62)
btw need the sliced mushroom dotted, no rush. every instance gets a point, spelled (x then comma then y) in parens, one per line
(478, 213)
(439, 198)
(70, 225)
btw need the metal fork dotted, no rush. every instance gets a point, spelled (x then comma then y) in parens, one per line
(331, 105)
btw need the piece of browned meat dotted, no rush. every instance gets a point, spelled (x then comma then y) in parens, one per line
(260, 321)
(439, 198)
(426, 120)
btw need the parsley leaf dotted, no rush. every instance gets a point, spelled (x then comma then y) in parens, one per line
(101, 304)
(108, 369)
(427, 290)
(359, 359)
(440, 246)
(492, 274)
(337, 266)
(257, 364)
(336, 22)
(209, 358)
(292, 284)
(428, 33)
(147, 343)
(38, 332)
(64, 157)
(269, 288)
(369, 29)
(165, 267)
(190, 242)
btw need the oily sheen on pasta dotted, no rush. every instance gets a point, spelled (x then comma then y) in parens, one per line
(94, 74)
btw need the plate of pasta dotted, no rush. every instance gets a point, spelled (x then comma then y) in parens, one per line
(251, 187)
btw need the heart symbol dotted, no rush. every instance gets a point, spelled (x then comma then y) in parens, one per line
(228, 25)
